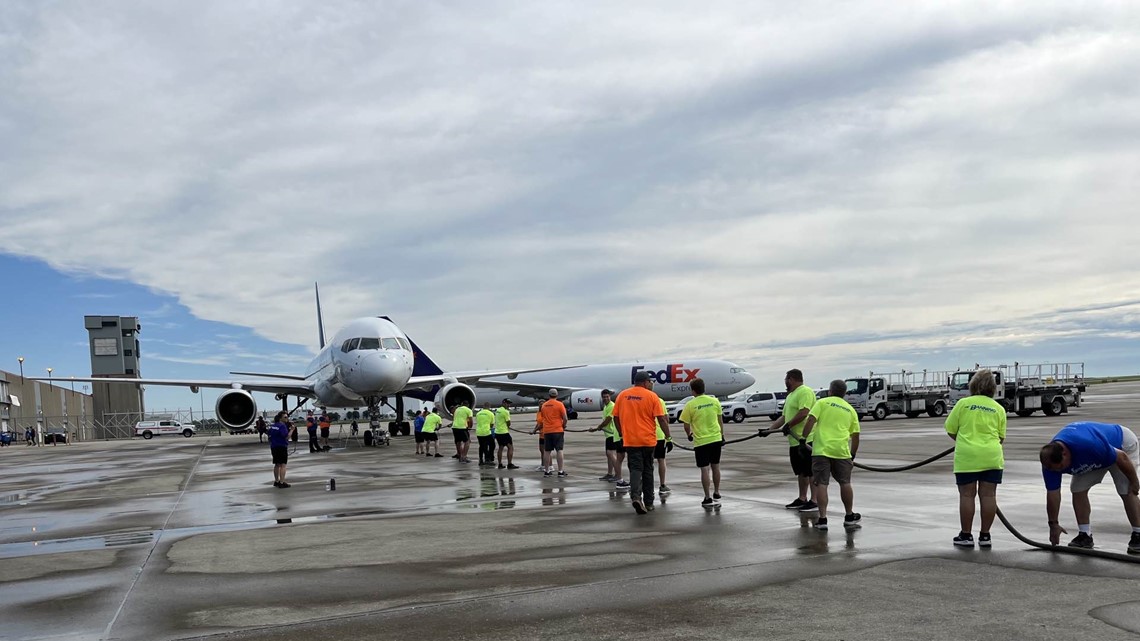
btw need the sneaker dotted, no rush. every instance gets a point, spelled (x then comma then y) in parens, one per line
(454, 456)
(810, 506)
(649, 507)
(284, 485)
(984, 540)
(276, 484)
(562, 473)
(795, 505)
(639, 508)
(964, 540)
(622, 484)
(1082, 540)
(502, 467)
(664, 489)
(608, 477)
(438, 455)
(540, 469)
(548, 473)
(707, 502)
(821, 524)
(511, 466)
(427, 453)
(853, 520)
(716, 495)
(1134, 543)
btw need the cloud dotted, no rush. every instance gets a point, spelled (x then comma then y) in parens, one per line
(540, 184)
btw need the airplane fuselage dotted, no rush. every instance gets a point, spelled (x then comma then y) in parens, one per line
(671, 379)
(367, 357)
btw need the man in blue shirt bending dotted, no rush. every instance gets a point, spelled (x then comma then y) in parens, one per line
(1087, 451)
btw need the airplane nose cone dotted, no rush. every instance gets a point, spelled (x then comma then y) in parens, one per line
(749, 380)
(381, 373)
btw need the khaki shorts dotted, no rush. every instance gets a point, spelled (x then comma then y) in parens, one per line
(1084, 482)
(823, 468)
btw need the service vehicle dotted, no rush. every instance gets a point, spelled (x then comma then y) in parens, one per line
(751, 404)
(909, 393)
(151, 429)
(1051, 388)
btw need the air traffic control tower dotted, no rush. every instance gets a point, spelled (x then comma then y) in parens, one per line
(114, 345)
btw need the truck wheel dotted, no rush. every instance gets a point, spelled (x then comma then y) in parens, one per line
(738, 416)
(880, 413)
(1024, 413)
(1056, 407)
(148, 435)
(188, 432)
(368, 438)
(936, 410)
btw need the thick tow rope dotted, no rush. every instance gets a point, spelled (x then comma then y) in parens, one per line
(1064, 549)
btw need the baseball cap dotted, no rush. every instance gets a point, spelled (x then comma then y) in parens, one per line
(641, 377)
(553, 392)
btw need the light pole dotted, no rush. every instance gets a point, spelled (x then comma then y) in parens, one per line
(21, 359)
(49, 378)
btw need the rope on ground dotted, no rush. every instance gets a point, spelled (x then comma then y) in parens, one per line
(1114, 556)
(903, 468)
(1102, 554)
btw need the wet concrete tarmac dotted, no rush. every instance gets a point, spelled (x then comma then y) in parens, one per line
(182, 538)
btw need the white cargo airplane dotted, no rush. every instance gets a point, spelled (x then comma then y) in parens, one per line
(580, 388)
(367, 361)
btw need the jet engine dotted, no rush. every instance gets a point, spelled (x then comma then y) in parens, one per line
(587, 400)
(449, 397)
(236, 409)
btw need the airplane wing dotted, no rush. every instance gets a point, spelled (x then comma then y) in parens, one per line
(533, 390)
(297, 388)
(422, 382)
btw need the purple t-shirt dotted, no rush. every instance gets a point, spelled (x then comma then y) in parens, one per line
(279, 435)
(1092, 446)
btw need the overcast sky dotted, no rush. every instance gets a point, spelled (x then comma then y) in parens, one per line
(835, 186)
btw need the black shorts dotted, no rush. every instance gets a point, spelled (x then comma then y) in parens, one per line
(324, 432)
(504, 440)
(659, 450)
(801, 461)
(708, 454)
(430, 436)
(611, 445)
(461, 436)
(280, 455)
(986, 476)
(553, 442)
(419, 437)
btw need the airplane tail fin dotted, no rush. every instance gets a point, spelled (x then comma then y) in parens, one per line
(320, 319)
(423, 365)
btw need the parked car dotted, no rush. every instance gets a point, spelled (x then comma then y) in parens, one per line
(150, 429)
(673, 410)
(753, 404)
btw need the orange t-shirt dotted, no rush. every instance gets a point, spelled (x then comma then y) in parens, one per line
(551, 415)
(637, 409)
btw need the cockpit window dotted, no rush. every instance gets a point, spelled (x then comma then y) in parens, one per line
(369, 343)
(346, 346)
(353, 344)
(405, 344)
(390, 343)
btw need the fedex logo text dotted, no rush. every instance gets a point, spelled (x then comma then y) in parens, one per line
(673, 373)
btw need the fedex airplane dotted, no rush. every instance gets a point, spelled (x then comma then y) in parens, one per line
(580, 388)
(367, 361)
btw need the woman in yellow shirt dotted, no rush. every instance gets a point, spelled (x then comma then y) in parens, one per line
(977, 425)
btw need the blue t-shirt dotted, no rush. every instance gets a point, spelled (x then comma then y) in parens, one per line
(311, 425)
(419, 423)
(278, 435)
(1092, 445)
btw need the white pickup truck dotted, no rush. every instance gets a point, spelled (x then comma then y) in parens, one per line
(751, 404)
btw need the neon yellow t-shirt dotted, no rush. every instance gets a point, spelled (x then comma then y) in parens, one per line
(484, 420)
(609, 430)
(835, 422)
(502, 420)
(797, 400)
(459, 419)
(432, 423)
(979, 423)
(702, 414)
(661, 432)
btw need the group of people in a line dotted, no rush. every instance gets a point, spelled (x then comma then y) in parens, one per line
(823, 441)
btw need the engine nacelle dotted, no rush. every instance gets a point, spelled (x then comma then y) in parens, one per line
(449, 397)
(588, 400)
(236, 409)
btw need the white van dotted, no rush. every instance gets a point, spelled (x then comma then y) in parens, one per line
(150, 429)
